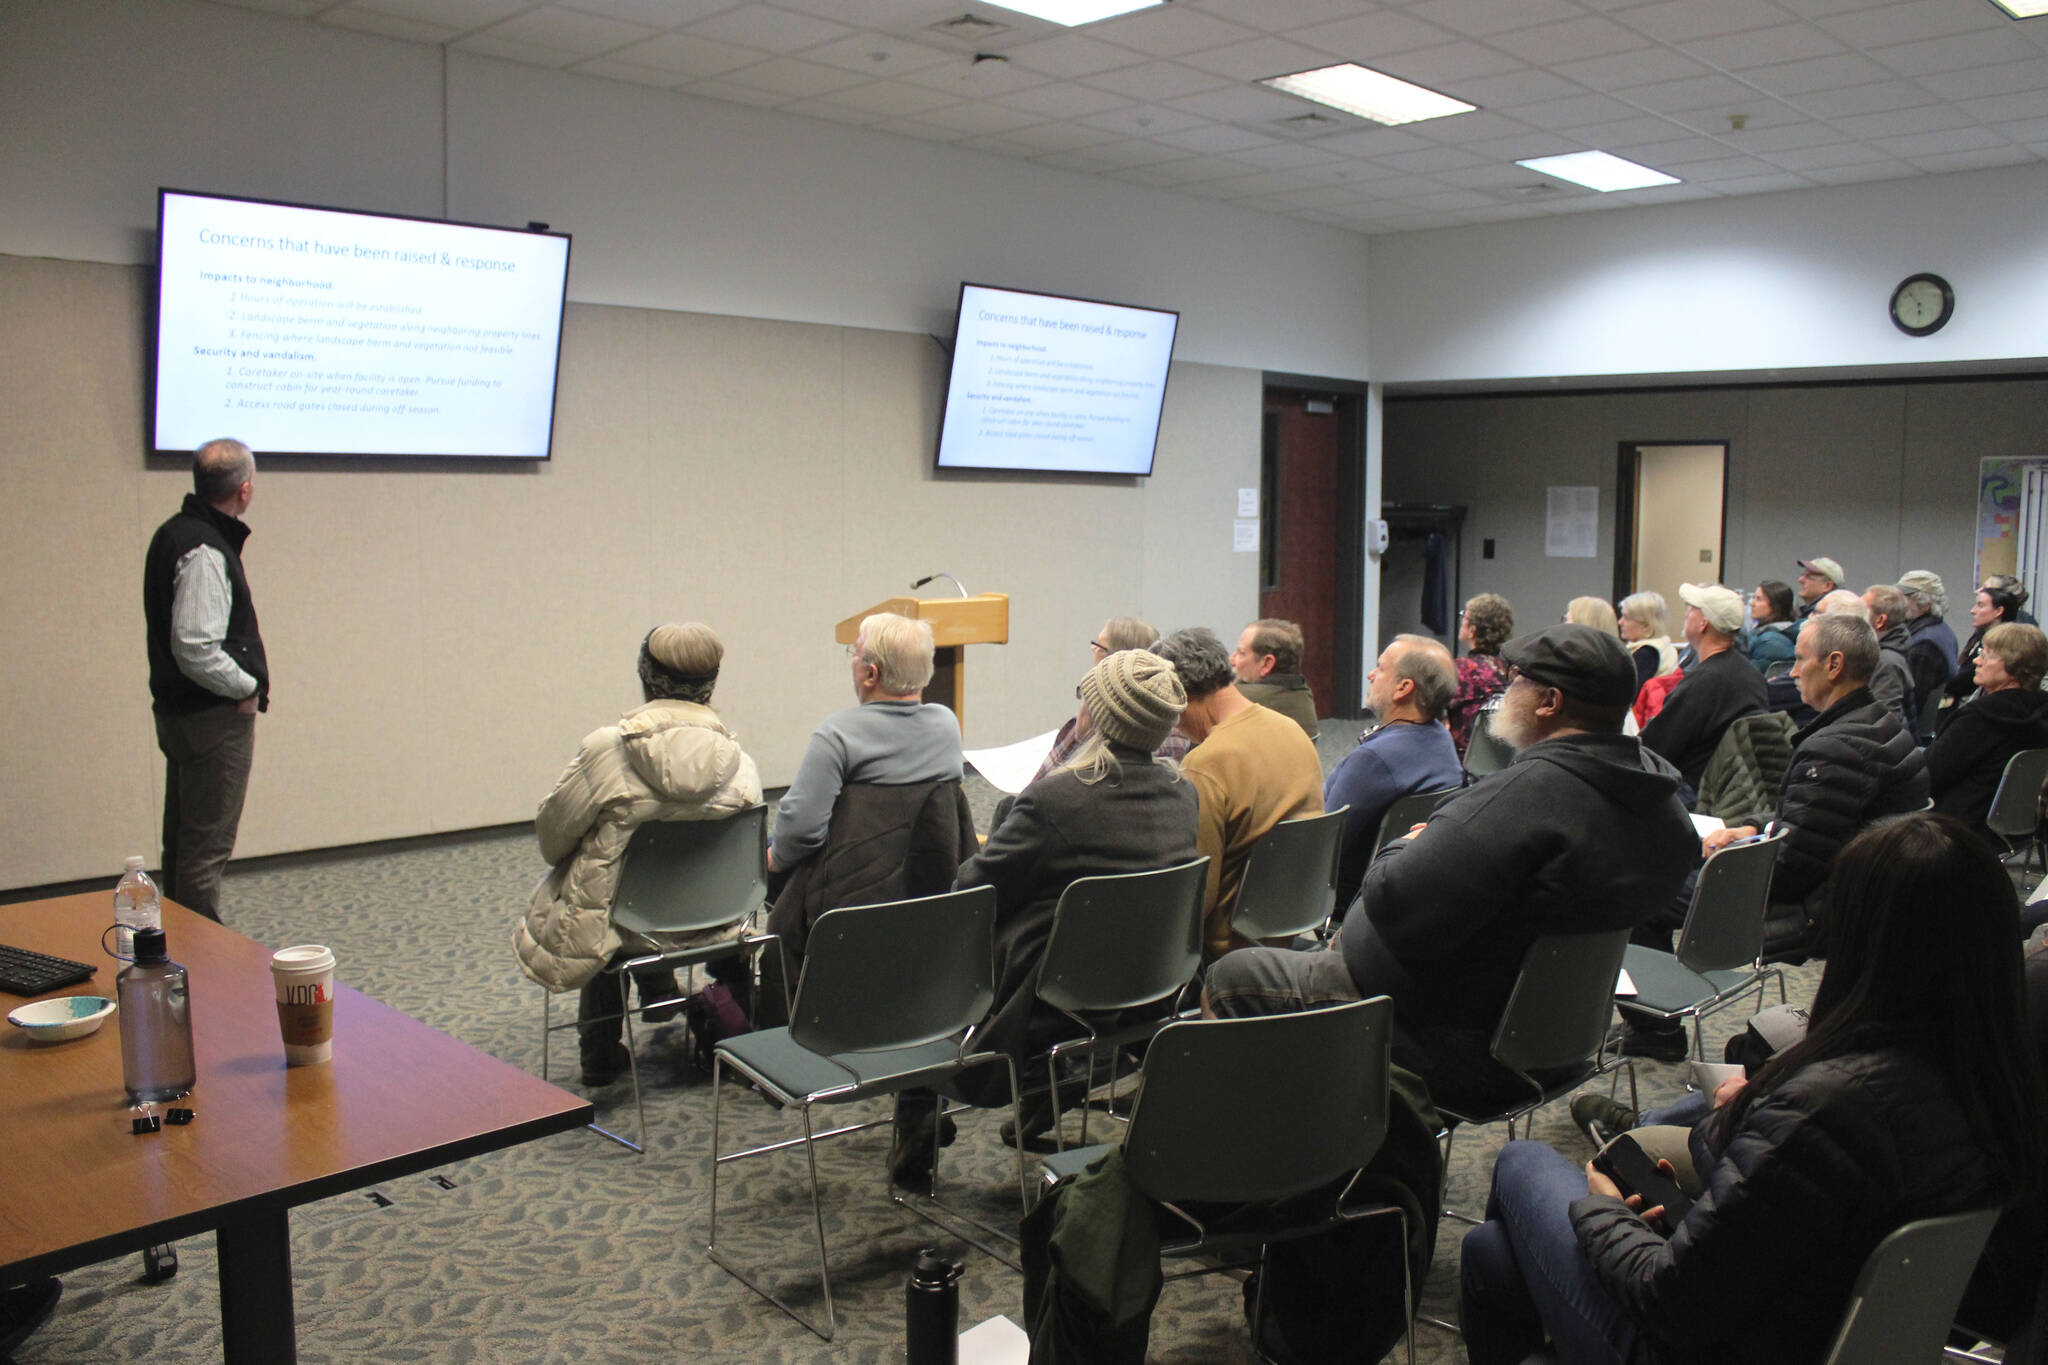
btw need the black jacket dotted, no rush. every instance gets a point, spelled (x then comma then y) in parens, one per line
(1714, 694)
(197, 524)
(1966, 761)
(1817, 1174)
(1931, 655)
(1856, 762)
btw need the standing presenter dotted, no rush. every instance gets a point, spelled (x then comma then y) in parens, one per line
(207, 676)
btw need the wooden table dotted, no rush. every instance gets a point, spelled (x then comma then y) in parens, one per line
(76, 1186)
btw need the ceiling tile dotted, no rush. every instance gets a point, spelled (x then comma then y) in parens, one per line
(1667, 194)
(1270, 182)
(1323, 196)
(1764, 47)
(1214, 138)
(1631, 68)
(296, 9)
(1816, 73)
(968, 79)
(1478, 126)
(1764, 141)
(457, 14)
(1932, 118)
(1276, 15)
(1592, 36)
(1576, 111)
(1727, 168)
(1243, 104)
(1454, 199)
(1286, 156)
(1478, 18)
(891, 99)
(1516, 87)
(1041, 139)
(1127, 155)
(1490, 177)
(2028, 131)
(1768, 183)
(1190, 170)
(833, 112)
(1406, 186)
(689, 56)
(388, 25)
(1443, 68)
(1527, 146)
(505, 49)
(1677, 151)
(1986, 48)
(918, 128)
(1911, 22)
(653, 13)
(1805, 159)
(1373, 142)
(2027, 104)
(1370, 37)
(1431, 160)
(1258, 59)
(1942, 163)
(1986, 81)
(1063, 99)
(795, 77)
(1701, 92)
(862, 13)
(877, 55)
(1864, 99)
(625, 71)
(586, 35)
(1887, 169)
(1144, 120)
(1068, 55)
(1158, 176)
(1816, 9)
(979, 118)
(1170, 30)
(1157, 81)
(1917, 145)
(1679, 21)
(730, 93)
(769, 27)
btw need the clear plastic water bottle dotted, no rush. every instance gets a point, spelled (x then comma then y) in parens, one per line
(156, 1022)
(137, 905)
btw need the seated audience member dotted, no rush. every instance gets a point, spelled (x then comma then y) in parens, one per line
(1771, 625)
(2008, 714)
(2019, 596)
(1990, 607)
(669, 759)
(1907, 1099)
(1118, 632)
(1251, 769)
(1818, 577)
(1410, 751)
(1483, 627)
(876, 812)
(1931, 645)
(1267, 664)
(1114, 808)
(1715, 691)
(1594, 612)
(1892, 684)
(1853, 764)
(1584, 831)
(1640, 619)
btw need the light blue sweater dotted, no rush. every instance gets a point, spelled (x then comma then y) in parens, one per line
(889, 743)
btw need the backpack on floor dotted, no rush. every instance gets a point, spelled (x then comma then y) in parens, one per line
(710, 1015)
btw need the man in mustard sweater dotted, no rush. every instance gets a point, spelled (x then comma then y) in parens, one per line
(1251, 768)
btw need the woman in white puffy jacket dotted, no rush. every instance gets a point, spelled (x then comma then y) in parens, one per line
(669, 759)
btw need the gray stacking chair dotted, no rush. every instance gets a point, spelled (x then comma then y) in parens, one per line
(681, 876)
(890, 999)
(1483, 752)
(1290, 879)
(1119, 943)
(1720, 949)
(1409, 811)
(2016, 807)
(1251, 1111)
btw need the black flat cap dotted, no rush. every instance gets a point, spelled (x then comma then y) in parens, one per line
(1585, 664)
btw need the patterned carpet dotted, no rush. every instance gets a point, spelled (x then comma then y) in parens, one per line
(573, 1249)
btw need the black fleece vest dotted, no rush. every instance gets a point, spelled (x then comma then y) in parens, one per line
(196, 524)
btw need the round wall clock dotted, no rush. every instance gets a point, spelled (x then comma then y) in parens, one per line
(1922, 304)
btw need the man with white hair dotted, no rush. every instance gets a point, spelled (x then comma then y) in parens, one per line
(207, 673)
(1718, 689)
(1930, 644)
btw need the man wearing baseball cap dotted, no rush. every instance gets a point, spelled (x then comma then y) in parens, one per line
(1818, 577)
(1719, 687)
(1583, 831)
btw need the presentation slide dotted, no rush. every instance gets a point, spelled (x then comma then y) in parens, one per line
(1043, 382)
(324, 332)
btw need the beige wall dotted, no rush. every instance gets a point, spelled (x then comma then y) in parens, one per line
(441, 636)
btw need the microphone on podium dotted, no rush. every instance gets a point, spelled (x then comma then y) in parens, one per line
(934, 577)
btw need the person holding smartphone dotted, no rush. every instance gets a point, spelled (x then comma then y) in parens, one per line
(1904, 1101)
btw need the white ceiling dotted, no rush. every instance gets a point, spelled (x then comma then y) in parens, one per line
(1826, 91)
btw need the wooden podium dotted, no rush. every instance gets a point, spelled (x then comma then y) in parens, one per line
(957, 622)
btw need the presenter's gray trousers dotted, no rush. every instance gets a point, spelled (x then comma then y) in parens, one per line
(207, 756)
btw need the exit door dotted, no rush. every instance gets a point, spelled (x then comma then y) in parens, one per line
(1674, 503)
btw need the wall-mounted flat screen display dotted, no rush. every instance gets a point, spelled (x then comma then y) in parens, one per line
(1045, 382)
(315, 331)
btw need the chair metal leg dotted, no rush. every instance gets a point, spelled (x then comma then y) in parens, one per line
(547, 1027)
(915, 1204)
(711, 1247)
(632, 1070)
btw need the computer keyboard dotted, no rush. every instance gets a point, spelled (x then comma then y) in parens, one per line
(25, 973)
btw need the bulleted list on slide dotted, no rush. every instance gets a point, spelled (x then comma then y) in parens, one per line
(319, 331)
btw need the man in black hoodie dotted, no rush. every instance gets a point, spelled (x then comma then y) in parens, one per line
(1583, 831)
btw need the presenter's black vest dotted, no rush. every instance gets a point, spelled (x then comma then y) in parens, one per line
(196, 524)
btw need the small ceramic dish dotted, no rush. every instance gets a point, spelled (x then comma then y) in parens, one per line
(66, 1017)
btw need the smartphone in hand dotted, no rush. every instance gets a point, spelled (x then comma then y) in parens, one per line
(1632, 1170)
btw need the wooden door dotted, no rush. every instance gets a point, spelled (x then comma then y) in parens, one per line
(1298, 551)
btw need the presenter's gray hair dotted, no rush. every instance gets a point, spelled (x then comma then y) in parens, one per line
(1837, 632)
(900, 648)
(1127, 632)
(219, 468)
(1200, 659)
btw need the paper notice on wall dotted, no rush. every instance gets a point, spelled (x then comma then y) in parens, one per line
(1572, 522)
(1247, 502)
(1244, 536)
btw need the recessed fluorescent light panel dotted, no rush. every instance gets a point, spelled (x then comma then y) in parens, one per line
(1602, 171)
(1074, 13)
(2023, 9)
(1369, 94)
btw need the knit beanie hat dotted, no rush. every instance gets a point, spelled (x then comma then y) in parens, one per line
(1134, 698)
(680, 663)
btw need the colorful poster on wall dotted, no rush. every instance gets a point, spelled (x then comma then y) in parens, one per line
(1999, 485)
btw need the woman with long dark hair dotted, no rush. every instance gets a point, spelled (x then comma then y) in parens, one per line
(1910, 1096)
(1991, 607)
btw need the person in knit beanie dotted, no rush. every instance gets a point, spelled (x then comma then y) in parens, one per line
(1132, 698)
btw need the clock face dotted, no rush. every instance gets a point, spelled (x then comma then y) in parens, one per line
(1922, 304)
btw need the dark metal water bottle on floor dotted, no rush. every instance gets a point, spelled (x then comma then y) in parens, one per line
(156, 1022)
(931, 1310)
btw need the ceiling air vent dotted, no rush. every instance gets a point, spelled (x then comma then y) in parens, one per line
(1531, 191)
(968, 28)
(1309, 125)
